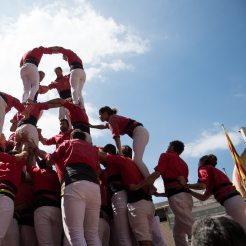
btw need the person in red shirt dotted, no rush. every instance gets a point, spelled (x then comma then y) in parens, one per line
(216, 183)
(81, 199)
(77, 75)
(6, 103)
(174, 172)
(47, 204)
(10, 177)
(139, 203)
(58, 139)
(29, 71)
(77, 115)
(120, 125)
(62, 85)
(24, 212)
(118, 199)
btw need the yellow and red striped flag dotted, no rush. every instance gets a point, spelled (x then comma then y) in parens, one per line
(240, 165)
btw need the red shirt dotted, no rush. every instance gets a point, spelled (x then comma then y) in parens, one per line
(44, 179)
(171, 166)
(59, 138)
(36, 108)
(10, 169)
(36, 54)
(217, 183)
(71, 56)
(24, 193)
(120, 125)
(76, 151)
(61, 84)
(12, 102)
(129, 171)
(76, 113)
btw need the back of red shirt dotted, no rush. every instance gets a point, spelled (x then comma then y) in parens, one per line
(35, 54)
(44, 179)
(11, 171)
(76, 151)
(76, 113)
(71, 56)
(171, 166)
(217, 183)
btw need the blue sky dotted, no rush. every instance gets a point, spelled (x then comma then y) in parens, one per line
(176, 66)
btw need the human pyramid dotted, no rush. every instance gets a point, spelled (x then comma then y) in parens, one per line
(95, 195)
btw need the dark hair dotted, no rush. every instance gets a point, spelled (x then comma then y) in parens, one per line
(209, 160)
(215, 231)
(178, 146)
(42, 163)
(127, 151)
(13, 152)
(108, 110)
(64, 120)
(58, 68)
(110, 148)
(78, 134)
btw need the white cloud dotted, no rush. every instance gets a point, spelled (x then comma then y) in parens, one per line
(100, 41)
(209, 141)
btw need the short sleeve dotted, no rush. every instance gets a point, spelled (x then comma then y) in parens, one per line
(162, 163)
(203, 176)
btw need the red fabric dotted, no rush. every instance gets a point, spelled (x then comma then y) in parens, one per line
(129, 171)
(71, 56)
(24, 193)
(35, 53)
(76, 113)
(4, 157)
(12, 102)
(10, 169)
(36, 108)
(59, 138)
(76, 151)
(119, 125)
(212, 178)
(44, 179)
(171, 166)
(61, 84)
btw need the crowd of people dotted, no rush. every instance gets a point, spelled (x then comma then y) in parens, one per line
(82, 194)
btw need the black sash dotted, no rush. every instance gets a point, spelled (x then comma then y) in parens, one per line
(31, 60)
(75, 65)
(31, 120)
(65, 94)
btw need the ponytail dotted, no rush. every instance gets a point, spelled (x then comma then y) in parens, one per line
(107, 109)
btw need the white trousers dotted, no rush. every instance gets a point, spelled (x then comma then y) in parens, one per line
(80, 213)
(181, 205)
(6, 215)
(12, 237)
(48, 225)
(104, 232)
(140, 140)
(77, 81)
(30, 78)
(3, 106)
(141, 215)
(28, 236)
(158, 239)
(236, 208)
(121, 221)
